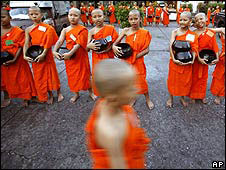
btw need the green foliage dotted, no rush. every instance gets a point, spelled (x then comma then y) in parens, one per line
(122, 13)
(204, 7)
(189, 6)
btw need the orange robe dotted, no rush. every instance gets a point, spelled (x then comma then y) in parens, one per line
(218, 82)
(151, 11)
(112, 18)
(83, 16)
(200, 71)
(17, 77)
(139, 41)
(165, 20)
(187, 9)
(77, 68)
(91, 8)
(180, 77)
(103, 33)
(158, 12)
(134, 147)
(208, 17)
(102, 7)
(178, 14)
(45, 73)
(145, 18)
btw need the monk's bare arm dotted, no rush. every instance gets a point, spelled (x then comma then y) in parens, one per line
(116, 49)
(143, 53)
(60, 41)
(90, 34)
(15, 58)
(114, 146)
(172, 39)
(218, 30)
(26, 44)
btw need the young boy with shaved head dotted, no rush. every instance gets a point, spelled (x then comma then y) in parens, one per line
(139, 39)
(180, 74)
(206, 40)
(76, 60)
(101, 30)
(15, 74)
(44, 68)
(114, 137)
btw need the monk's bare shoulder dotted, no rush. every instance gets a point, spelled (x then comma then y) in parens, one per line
(28, 29)
(91, 32)
(67, 29)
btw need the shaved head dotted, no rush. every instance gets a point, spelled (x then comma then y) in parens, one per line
(35, 8)
(134, 11)
(97, 11)
(187, 14)
(110, 75)
(76, 10)
(201, 14)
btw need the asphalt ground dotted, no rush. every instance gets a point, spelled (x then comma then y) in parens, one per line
(52, 136)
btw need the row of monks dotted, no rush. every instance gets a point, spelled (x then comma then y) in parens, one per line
(151, 14)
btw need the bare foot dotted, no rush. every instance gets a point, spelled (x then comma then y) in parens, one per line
(150, 104)
(50, 100)
(25, 103)
(169, 103)
(34, 99)
(217, 100)
(74, 98)
(183, 102)
(93, 96)
(193, 101)
(5, 103)
(60, 97)
(204, 101)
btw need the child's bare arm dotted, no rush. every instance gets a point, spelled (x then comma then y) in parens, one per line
(142, 53)
(15, 58)
(218, 30)
(117, 50)
(59, 44)
(91, 44)
(26, 44)
(114, 146)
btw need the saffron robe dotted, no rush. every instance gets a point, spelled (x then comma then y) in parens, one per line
(208, 17)
(145, 18)
(180, 76)
(17, 77)
(165, 20)
(77, 67)
(90, 9)
(105, 31)
(112, 18)
(151, 11)
(178, 14)
(45, 73)
(207, 40)
(134, 146)
(218, 82)
(158, 12)
(139, 41)
(83, 16)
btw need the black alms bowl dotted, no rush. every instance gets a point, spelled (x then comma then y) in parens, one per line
(184, 57)
(104, 44)
(181, 46)
(208, 54)
(126, 49)
(34, 51)
(5, 56)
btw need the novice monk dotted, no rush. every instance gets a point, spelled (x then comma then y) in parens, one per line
(139, 39)
(165, 20)
(16, 73)
(180, 74)
(218, 82)
(207, 40)
(179, 12)
(44, 69)
(90, 9)
(151, 12)
(114, 137)
(83, 14)
(76, 60)
(158, 12)
(144, 9)
(111, 9)
(100, 31)
(208, 16)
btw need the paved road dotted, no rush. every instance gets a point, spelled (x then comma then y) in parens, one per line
(43, 136)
